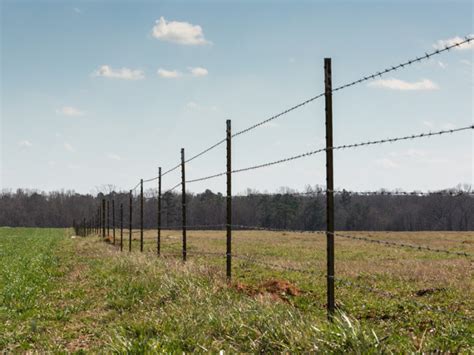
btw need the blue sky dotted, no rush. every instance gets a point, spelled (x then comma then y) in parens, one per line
(100, 92)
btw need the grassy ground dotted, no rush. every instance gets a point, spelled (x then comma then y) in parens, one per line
(59, 293)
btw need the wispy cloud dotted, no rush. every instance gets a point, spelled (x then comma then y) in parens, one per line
(442, 43)
(179, 32)
(465, 62)
(122, 73)
(25, 144)
(69, 111)
(77, 10)
(386, 163)
(397, 84)
(69, 147)
(169, 74)
(113, 156)
(198, 71)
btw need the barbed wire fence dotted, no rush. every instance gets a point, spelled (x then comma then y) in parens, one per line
(104, 219)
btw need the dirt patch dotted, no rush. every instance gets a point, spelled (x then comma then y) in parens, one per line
(273, 289)
(429, 291)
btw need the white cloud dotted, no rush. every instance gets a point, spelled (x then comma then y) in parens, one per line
(69, 147)
(25, 144)
(442, 65)
(442, 43)
(397, 84)
(113, 156)
(169, 74)
(77, 10)
(386, 163)
(465, 62)
(179, 32)
(198, 71)
(123, 73)
(69, 111)
(292, 60)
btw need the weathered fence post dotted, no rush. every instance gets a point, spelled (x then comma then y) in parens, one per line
(130, 222)
(229, 202)
(99, 219)
(103, 218)
(121, 227)
(108, 218)
(183, 202)
(329, 189)
(74, 226)
(158, 238)
(141, 215)
(113, 220)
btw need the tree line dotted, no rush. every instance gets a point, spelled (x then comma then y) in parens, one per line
(283, 210)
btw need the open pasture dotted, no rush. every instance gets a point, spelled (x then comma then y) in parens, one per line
(60, 293)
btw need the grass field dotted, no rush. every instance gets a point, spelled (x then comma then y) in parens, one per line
(59, 293)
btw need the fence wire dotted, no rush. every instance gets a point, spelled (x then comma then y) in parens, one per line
(345, 146)
(402, 245)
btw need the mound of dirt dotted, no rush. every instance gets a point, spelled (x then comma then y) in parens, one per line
(275, 289)
(108, 239)
(281, 287)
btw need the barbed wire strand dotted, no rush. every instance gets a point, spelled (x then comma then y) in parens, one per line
(196, 226)
(345, 146)
(370, 240)
(151, 179)
(363, 79)
(172, 189)
(272, 265)
(323, 192)
(136, 186)
(466, 40)
(170, 170)
(403, 245)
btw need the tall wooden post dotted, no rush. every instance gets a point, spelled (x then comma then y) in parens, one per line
(141, 215)
(183, 202)
(329, 189)
(113, 220)
(158, 238)
(229, 202)
(108, 218)
(103, 218)
(121, 227)
(130, 222)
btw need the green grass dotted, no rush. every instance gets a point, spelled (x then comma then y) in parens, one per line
(61, 294)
